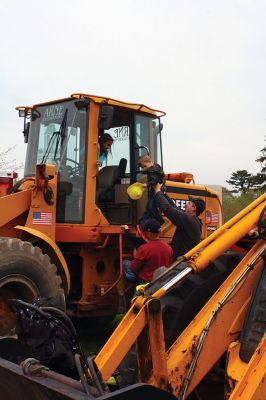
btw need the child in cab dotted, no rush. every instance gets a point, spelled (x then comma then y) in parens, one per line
(155, 174)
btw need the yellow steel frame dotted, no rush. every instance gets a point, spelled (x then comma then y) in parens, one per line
(224, 329)
(20, 204)
(251, 383)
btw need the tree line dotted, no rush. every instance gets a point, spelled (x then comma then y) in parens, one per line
(242, 181)
(246, 187)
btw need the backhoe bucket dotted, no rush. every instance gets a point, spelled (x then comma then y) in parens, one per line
(23, 377)
(14, 384)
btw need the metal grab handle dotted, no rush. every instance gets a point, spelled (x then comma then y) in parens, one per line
(120, 276)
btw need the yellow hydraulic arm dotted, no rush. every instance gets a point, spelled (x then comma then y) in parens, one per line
(215, 327)
(209, 334)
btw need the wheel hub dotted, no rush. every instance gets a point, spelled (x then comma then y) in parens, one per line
(7, 318)
(13, 287)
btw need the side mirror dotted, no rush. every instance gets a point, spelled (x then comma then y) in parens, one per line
(25, 112)
(106, 117)
(26, 131)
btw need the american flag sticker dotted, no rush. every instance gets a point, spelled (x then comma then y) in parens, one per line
(42, 218)
(208, 217)
(212, 217)
(215, 217)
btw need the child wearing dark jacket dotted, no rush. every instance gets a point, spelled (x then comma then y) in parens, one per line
(155, 174)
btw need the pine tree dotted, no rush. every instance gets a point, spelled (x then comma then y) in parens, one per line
(241, 180)
(261, 177)
(262, 159)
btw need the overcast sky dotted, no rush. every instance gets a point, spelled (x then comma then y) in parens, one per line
(201, 61)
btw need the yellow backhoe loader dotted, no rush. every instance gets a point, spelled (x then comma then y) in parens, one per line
(60, 226)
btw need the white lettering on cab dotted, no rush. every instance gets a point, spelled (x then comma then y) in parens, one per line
(53, 113)
(180, 203)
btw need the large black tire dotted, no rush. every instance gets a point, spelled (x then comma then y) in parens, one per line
(183, 303)
(25, 273)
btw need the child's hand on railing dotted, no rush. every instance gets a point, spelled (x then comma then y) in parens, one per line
(157, 187)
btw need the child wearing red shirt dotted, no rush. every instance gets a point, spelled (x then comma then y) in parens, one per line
(149, 256)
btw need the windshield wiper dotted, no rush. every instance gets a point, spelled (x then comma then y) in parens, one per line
(56, 136)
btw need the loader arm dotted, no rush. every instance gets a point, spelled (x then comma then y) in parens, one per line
(215, 327)
(234, 295)
(14, 205)
(35, 195)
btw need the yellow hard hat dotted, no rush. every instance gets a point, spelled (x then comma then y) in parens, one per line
(142, 285)
(135, 191)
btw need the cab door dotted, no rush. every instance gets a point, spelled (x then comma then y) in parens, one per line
(115, 174)
(147, 141)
